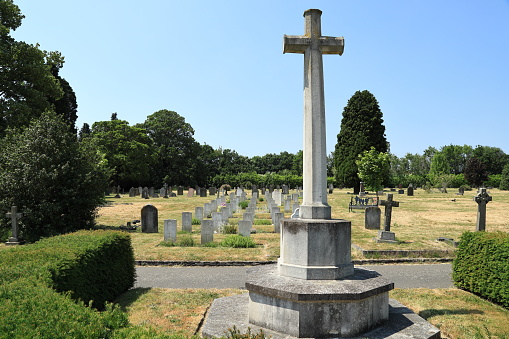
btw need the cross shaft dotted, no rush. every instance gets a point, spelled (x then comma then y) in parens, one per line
(312, 44)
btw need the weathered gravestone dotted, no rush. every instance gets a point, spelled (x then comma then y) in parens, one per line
(170, 230)
(372, 218)
(482, 199)
(245, 227)
(198, 212)
(144, 193)
(203, 192)
(212, 191)
(207, 231)
(180, 190)
(187, 221)
(149, 219)
(410, 190)
(278, 218)
(386, 235)
(190, 192)
(132, 192)
(14, 215)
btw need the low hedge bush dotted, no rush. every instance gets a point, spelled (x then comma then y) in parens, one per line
(481, 265)
(45, 287)
(238, 241)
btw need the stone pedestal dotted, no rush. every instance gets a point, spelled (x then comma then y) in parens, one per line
(315, 249)
(317, 308)
(386, 236)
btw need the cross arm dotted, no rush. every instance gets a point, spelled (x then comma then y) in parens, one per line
(295, 43)
(332, 45)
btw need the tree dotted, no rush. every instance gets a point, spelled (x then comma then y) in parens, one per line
(493, 158)
(84, 132)
(66, 106)
(26, 81)
(127, 149)
(361, 128)
(298, 163)
(504, 182)
(373, 168)
(175, 148)
(207, 165)
(56, 182)
(475, 172)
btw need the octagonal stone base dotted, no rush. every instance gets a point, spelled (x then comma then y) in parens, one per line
(317, 308)
(316, 249)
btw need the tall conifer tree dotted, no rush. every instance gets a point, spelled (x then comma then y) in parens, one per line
(361, 127)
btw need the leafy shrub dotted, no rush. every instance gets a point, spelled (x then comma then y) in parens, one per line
(185, 241)
(261, 199)
(55, 181)
(45, 286)
(493, 180)
(196, 221)
(229, 229)
(244, 204)
(481, 265)
(238, 241)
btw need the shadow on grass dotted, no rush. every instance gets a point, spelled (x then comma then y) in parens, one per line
(426, 314)
(130, 297)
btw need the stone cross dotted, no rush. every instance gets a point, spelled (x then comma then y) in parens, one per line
(389, 204)
(14, 215)
(312, 44)
(482, 198)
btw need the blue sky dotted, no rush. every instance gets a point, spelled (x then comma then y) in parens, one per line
(439, 69)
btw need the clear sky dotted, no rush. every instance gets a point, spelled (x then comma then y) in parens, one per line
(439, 69)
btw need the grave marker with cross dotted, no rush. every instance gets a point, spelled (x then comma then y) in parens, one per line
(312, 44)
(482, 198)
(15, 216)
(386, 235)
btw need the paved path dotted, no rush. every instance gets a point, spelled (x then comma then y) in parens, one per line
(403, 276)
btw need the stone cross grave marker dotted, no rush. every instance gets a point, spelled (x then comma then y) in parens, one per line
(482, 198)
(312, 44)
(386, 235)
(15, 216)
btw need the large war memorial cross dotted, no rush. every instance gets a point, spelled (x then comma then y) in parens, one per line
(312, 44)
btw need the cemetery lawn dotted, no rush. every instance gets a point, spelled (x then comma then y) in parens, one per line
(417, 222)
(457, 313)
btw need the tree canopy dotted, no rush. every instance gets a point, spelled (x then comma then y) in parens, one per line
(361, 128)
(56, 182)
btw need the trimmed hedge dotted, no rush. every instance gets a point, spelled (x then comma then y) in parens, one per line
(481, 265)
(45, 287)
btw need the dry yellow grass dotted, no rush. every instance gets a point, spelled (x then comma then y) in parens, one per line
(418, 222)
(170, 311)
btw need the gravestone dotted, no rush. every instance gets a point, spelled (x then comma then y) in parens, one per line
(140, 190)
(278, 218)
(203, 193)
(372, 218)
(331, 188)
(198, 212)
(187, 221)
(212, 191)
(461, 191)
(180, 190)
(361, 189)
(245, 227)
(248, 216)
(132, 192)
(410, 190)
(207, 210)
(482, 199)
(152, 192)
(285, 189)
(14, 215)
(149, 219)
(386, 235)
(207, 231)
(144, 193)
(276, 195)
(288, 205)
(217, 220)
(401, 191)
(190, 192)
(170, 230)
(162, 192)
